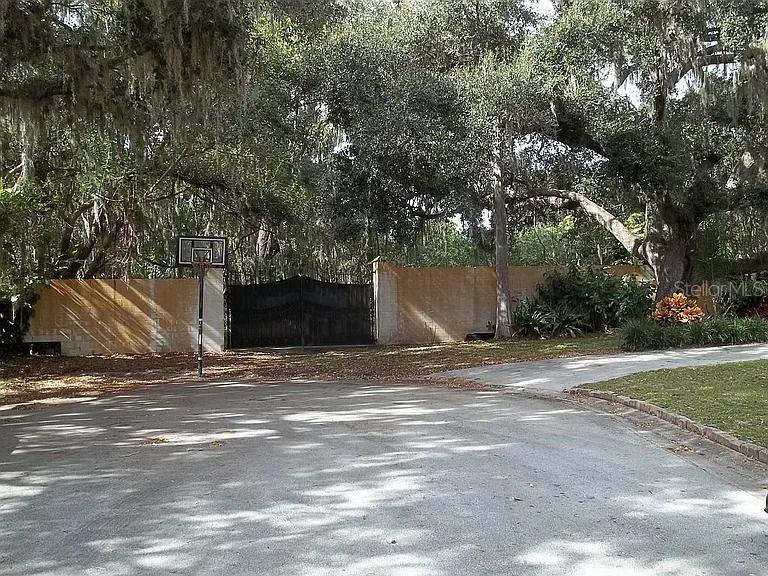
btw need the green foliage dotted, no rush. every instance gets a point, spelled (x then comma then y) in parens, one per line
(407, 154)
(442, 244)
(321, 134)
(577, 301)
(421, 90)
(697, 161)
(542, 244)
(739, 295)
(554, 239)
(604, 300)
(645, 334)
(104, 200)
(641, 334)
(125, 63)
(533, 318)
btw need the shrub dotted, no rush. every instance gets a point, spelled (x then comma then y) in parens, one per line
(633, 300)
(532, 318)
(677, 309)
(527, 319)
(646, 334)
(578, 301)
(761, 311)
(599, 300)
(642, 334)
(751, 293)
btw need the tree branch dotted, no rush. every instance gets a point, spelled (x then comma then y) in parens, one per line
(631, 242)
(34, 92)
(101, 259)
(69, 227)
(756, 263)
(78, 258)
(711, 56)
(167, 172)
(572, 130)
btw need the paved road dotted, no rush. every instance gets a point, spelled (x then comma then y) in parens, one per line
(563, 373)
(327, 479)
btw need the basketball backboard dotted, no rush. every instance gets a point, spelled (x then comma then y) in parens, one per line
(192, 249)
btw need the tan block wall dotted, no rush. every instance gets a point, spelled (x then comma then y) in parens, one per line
(427, 305)
(128, 316)
(424, 305)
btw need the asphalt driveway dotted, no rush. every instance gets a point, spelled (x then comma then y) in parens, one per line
(560, 374)
(329, 479)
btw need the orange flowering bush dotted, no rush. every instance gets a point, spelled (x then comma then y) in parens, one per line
(677, 309)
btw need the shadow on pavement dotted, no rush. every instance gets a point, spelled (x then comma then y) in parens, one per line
(313, 479)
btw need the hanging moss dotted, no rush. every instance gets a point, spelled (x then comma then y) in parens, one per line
(121, 62)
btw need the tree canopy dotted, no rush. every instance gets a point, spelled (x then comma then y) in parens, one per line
(321, 135)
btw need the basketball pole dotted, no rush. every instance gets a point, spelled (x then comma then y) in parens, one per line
(201, 253)
(201, 284)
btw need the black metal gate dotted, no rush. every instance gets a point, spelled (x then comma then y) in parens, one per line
(300, 311)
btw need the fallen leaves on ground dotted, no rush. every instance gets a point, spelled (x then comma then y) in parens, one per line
(38, 377)
(156, 441)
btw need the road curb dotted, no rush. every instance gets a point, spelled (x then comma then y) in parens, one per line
(718, 436)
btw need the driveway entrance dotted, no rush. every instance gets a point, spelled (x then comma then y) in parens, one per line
(327, 479)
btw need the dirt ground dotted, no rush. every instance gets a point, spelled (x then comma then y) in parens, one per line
(40, 377)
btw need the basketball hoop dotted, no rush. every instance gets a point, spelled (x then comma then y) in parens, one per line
(201, 261)
(201, 268)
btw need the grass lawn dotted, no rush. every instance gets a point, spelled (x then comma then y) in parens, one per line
(731, 397)
(29, 378)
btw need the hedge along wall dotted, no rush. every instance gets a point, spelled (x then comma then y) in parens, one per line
(426, 305)
(128, 316)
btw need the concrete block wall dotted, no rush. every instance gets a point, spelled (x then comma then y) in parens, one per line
(129, 316)
(429, 305)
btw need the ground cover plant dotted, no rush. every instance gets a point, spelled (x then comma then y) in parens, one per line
(646, 334)
(730, 397)
(678, 321)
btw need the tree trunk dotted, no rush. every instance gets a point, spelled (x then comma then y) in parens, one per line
(78, 258)
(265, 248)
(667, 245)
(671, 267)
(503, 300)
(668, 252)
(100, 260)
(264, 245)
(27, 143)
